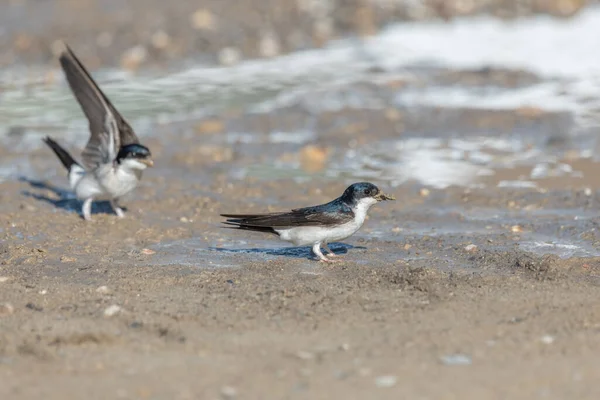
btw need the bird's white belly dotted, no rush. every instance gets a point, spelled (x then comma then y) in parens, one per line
(305, 235)
(106, 183)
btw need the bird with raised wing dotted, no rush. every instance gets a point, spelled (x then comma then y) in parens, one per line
(113, 159)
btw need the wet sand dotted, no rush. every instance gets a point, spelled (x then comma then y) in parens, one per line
(481, 280)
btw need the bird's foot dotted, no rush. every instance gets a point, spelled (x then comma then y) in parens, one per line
(120, 213)
(87, 210)
(118, 210)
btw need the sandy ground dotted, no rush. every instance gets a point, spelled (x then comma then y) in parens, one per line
(444, 294)
(87, 310)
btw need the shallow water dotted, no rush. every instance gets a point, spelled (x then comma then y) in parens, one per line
(472, 104)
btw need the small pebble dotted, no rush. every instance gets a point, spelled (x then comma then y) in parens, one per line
(456, 359)
(103, 290)
(67, 259)
(313, 158)
(113, 310)
(587, 192)
(160, 40)
(203, 19)
(424, 192)
(229, 56)
(471, 248)
(305, 355)
(4, 279)
(516, 229)
(147, 252)
(184, 220)
(6, 309)
(547, 339)
(210, 126)
(43, 292)
(385, 381)
(228, 392)
(134, 57)
(269, 45)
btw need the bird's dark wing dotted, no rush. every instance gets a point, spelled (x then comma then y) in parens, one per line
(330, 214)
(109, 130)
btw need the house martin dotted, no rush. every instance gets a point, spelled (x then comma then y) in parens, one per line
(113, 159)
(318, 225)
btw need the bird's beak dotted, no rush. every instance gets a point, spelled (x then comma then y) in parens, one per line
(148, 162)
(382, 197)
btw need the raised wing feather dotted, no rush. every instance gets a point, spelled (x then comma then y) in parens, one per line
(330, 214)
(109, 130)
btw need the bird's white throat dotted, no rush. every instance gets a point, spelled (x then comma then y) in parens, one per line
(361, 208)
(133, 164)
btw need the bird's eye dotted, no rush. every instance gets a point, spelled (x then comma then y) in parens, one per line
(367, 192)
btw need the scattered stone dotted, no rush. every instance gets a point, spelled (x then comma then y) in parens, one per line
(305, 355)
(530, 112)
(456, 359)
(345, 347)
(587, 192)
(229, 56)
(184, 220)
(6, 309)
(203, 19)
(424, 192)
(210, 126)
(43, 292)
(67, 259)
(4, 279)
(34, 307)
(471, 248)
(269, 45)
(392, 114)
(228, 392)
(547, 339)
(516, 229)
(313, 158)
(397, 229)
(134, 57)
(407, 246)
(148, 252)
(386, 381)
(160, 40)
(103, 290)
(113, 310)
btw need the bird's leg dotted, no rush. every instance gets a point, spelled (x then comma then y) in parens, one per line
(329, 251)
(87, 209)
(317, 250)
(118, 210)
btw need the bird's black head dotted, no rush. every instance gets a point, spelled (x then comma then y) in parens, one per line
(135, 152)
(364, 190)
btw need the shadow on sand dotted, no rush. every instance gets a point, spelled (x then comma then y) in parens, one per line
(292, 252)
(63, 199)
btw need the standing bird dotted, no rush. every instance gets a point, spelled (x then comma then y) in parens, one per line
(113, 157)
(318, 225)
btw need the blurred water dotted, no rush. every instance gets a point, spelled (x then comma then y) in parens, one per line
(557, 52)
